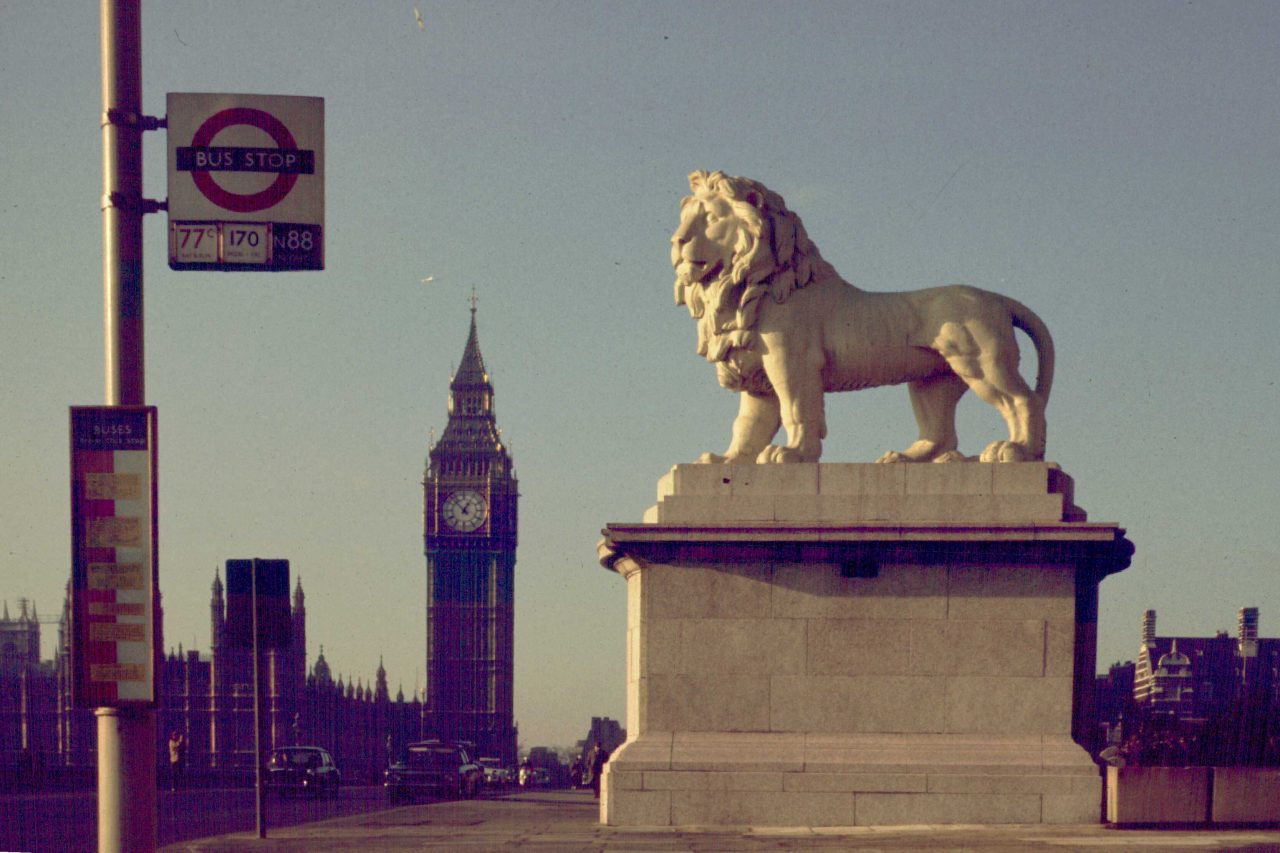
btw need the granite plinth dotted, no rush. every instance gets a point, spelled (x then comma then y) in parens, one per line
(808, 645)
(849, 493)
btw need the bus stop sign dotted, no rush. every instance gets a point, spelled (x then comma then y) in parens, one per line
(246, 182)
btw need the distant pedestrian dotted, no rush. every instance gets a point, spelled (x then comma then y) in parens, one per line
(177, 759)
(576, 773)
(599, 757)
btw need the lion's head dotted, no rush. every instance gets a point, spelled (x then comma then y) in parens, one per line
(736, 242)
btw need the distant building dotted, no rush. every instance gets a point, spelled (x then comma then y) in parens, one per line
(1192, 678)
(609, 733)
(470, 496)
(19, 638)
(1114, 694)
(544, 757)
(1216, 699)
(28, 697)
(470, 522)
(208, 698)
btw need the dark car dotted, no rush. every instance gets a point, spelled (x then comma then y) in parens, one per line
(433, 767)
(302, 769)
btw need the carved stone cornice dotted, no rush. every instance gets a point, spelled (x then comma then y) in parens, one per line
(1099, 549)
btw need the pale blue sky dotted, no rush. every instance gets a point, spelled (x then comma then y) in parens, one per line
(1116, 166)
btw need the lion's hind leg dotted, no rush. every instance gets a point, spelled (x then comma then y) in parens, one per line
(933, 401)
(1003, 387)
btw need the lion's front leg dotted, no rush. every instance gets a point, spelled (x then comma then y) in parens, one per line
(755, 426)
(798, 384)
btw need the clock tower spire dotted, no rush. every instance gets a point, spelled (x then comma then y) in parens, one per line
(469, 530)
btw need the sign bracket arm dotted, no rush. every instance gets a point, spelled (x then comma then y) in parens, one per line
(128, 202)
(122, 201)
(124, 118)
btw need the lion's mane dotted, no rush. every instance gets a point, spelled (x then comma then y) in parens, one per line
(773, 258)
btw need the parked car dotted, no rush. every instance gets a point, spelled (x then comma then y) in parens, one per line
(302, 769)
(433, 767)
(495, 775)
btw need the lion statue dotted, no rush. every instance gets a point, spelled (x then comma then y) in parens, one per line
(782, 328)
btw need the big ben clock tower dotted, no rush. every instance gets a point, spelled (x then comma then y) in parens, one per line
(469, 524)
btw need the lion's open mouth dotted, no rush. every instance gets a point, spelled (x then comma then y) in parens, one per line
(700, 271)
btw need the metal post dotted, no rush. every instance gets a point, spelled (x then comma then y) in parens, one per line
(126, 738)
(259, 792)
(111, 785)
(122, 205)
(126, 780)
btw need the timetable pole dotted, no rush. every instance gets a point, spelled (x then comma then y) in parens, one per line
(259, 795)
(126, 737)
(122, 204)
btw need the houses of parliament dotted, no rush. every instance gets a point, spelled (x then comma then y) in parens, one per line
(470, 500)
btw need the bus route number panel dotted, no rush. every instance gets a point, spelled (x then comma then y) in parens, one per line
(245, 246)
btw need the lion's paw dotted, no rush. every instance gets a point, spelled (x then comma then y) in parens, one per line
(924, 451)
(775, 454)
(712, 459)
(1006, 451)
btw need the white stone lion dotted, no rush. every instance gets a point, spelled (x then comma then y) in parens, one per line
(783, 329)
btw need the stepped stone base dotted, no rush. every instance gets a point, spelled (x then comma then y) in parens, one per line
(835, 645)
(794, 779)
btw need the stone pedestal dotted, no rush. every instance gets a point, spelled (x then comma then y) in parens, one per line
(846, 644)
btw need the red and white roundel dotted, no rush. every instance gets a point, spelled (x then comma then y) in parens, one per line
(243, 202)
(225, 153)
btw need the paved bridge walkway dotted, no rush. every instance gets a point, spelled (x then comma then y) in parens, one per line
(566, 821)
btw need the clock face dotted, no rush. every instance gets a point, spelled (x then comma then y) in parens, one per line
(464, 511)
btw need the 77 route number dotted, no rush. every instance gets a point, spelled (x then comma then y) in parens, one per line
(194, 243)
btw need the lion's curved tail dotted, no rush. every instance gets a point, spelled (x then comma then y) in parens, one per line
(1028, 321)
